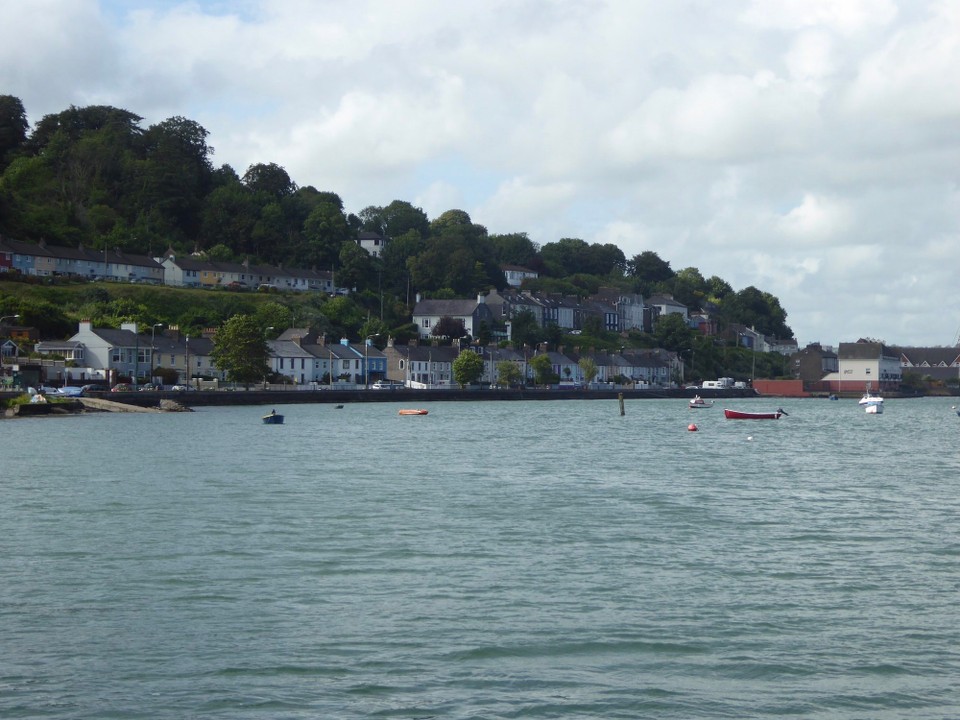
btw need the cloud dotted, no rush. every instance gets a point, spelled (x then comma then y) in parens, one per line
(806, 147)
(816, 220)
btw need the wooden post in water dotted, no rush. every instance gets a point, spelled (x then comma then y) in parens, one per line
(620, 398)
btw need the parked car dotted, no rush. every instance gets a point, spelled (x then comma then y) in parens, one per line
(92, 388)
(122, 387)
(69, 391)
(386, 385)
(147, 387)
(181, 388)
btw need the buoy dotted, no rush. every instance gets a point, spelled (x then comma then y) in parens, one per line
(749, 437)
(692, 427)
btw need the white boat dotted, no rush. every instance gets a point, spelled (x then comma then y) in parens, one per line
(699, 402)
(871, 403)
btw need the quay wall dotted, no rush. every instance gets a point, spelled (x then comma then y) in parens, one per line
(198, 398)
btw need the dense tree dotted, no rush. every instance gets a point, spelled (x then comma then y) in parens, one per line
(324, 232)
(448, 327)
(13, 128)
(176, 175)
(589, 369)
(758, 310)
(689, 287)
(649, 268)
(524, 329)
(467, 368)
(514, 249)
(397, 218)
(672, 332)
(269, 179)
(240, 349)
(542, 370)
(508, 373)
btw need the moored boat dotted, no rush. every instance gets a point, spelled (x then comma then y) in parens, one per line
(412, 411)
(871, 403)
(273, 418)
(698, 402)
(742, 415)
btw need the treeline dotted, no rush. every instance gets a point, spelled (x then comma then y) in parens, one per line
(95, 176)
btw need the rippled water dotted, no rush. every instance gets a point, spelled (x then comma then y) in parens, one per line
(489, 560)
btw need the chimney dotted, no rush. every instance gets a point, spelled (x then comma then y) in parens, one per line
(85, 326)
(390, 341)
(131, 326)
(417, 297)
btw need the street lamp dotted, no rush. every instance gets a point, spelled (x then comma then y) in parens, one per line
(753, 357)
(153, 349)
(9, 317)
(186, 363)
(366, 361)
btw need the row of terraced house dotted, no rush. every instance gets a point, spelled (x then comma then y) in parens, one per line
(51, 261)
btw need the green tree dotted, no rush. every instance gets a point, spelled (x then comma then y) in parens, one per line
(270, 179)
(649, 269)
(542, 370)
(448, 327)
(673, 333)
(275, 315)
(240, 349)
(589, 369)
(524, 329)
(467, 368)
(324, 232)
(13, 127)
(508, 373)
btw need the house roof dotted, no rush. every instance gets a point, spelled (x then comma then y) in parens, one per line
(928, 356)
(288, 348)
(451, 308)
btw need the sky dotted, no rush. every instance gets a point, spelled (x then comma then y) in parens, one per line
(809, 148)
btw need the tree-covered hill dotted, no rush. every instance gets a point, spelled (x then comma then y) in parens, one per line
(94, 176)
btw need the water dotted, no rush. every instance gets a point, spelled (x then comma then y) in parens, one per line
(489, 560)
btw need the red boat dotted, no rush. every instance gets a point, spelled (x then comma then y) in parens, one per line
(740, 415)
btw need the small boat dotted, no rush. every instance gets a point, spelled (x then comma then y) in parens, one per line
(741, 415)
(272, 418)
(871, 403)
(413, 412)
(698, 402)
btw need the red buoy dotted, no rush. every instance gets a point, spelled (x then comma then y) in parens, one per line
(692, 427)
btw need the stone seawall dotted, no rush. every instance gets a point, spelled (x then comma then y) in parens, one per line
(201, 398)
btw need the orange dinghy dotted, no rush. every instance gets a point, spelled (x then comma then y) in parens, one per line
(413, 412)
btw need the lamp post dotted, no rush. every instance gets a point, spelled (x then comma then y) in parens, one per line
(10, 317)
(753, 357)
(366, 360)
(153, 348)
(186, 364)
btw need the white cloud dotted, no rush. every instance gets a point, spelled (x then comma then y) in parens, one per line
(816, 220)
(807, 147)
(845, 17)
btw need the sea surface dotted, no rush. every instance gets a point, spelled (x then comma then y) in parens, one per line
(488, 560)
